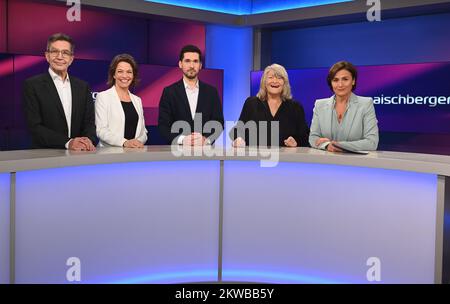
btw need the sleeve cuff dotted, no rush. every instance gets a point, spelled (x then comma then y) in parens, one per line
(324, 145)
(180, 139)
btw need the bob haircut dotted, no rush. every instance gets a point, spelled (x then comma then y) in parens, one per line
(342, 65)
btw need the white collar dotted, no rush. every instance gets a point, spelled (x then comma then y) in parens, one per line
(56, 76)
(186, 85)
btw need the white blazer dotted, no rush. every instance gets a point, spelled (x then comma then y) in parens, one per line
(110, 119)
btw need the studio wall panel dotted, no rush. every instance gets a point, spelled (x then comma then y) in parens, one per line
(153, 80)
(167, 38)
(390, 41)
(98, 35)
(230, 49)
(24, 68)
(6, 83)
(3, 19)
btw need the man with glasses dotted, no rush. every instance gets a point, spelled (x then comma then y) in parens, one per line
(59, 109)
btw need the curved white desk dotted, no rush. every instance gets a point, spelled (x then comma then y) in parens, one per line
(156, 215)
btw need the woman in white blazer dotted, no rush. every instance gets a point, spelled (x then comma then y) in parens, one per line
(119, 116)
(344, 120)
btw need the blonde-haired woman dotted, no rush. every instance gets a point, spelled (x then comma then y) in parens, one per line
(273, 103)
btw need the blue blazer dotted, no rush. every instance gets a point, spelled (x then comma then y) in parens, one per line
(359, 128)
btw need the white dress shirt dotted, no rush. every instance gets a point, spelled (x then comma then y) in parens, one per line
(192, 95)
(65, 94)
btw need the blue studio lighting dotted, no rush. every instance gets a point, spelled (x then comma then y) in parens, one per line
(168, 277)
(268, 6)
(261, 276)
(228, 275)
(222, 6)
(247, 7)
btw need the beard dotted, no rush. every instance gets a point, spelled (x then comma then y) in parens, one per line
(191, 74)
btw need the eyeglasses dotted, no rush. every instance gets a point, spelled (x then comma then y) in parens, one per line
(64, 53)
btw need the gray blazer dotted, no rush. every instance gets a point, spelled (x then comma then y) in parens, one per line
(358, 129)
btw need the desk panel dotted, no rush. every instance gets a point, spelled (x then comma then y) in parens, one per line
(4, 227)
(153, 222)
(314, 223)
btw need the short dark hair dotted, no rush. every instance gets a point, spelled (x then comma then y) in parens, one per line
(338, 66)
(60, 37)
(113, 66)
(190, 49)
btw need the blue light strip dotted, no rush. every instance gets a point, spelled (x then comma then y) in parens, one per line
(247, 7)
(234, 276)
(169, 277)
(266, 6)
(241, 7)
(276, 277)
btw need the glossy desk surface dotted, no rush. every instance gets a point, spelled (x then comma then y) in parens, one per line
(23, 160)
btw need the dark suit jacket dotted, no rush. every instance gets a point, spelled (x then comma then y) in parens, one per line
(45, 114)
(174, 106)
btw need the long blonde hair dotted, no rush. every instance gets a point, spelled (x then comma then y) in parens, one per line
(279, 71)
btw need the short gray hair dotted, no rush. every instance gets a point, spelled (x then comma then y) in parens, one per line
(60, 37)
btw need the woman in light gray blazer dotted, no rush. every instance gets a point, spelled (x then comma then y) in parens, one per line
(345, 119)
(119, 116)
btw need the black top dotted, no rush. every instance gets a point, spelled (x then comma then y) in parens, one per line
(131, 120)
(291, 118)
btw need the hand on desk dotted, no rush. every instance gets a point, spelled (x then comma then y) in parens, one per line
(238, 142)
(194, 139)
(332, 148)
(321, 141)
(290, 142)
(81, 144)
(133, 143)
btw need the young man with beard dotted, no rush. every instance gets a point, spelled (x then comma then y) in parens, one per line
(190, 104)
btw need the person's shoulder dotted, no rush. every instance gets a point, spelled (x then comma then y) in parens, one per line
(252, 101)
(363, 101)
(206, 86)
(322, 102)
(37, 78)
(78, 81)
(105, 92)
(174, 85)
(294, 104)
